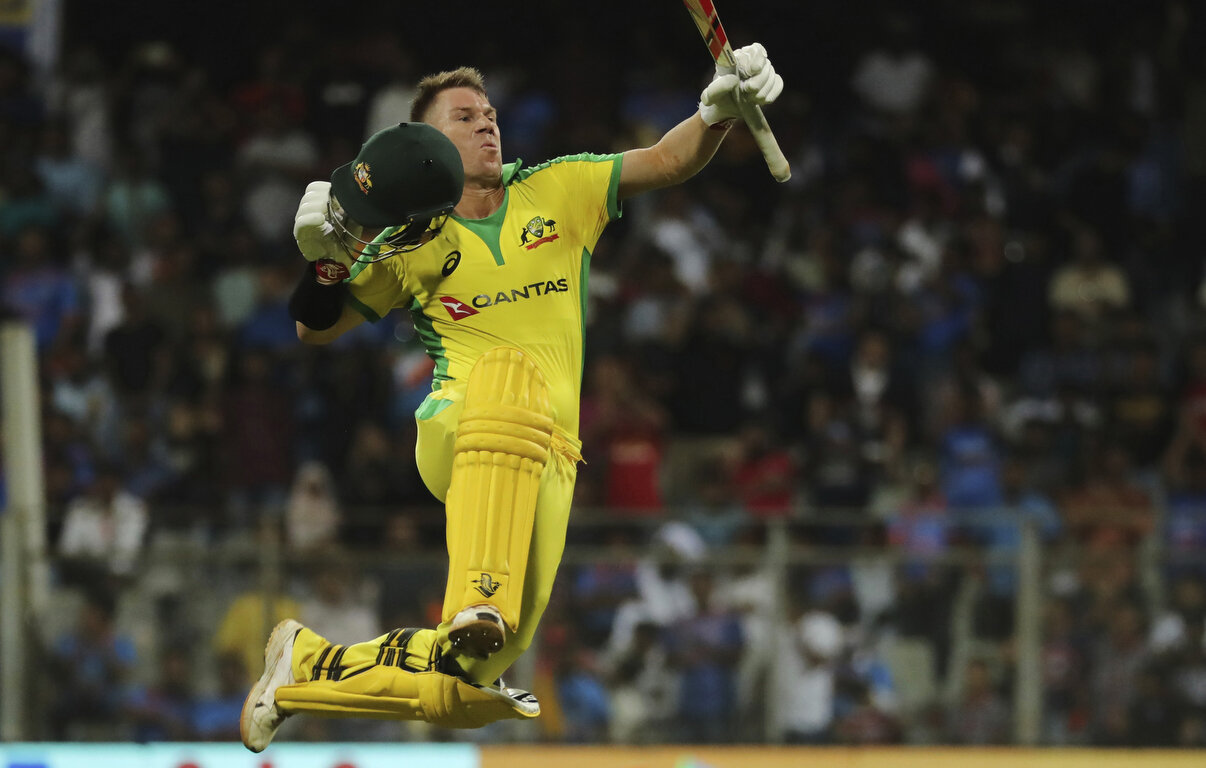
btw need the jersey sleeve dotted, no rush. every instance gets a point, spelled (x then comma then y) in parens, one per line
(593, 181)
(375, 288)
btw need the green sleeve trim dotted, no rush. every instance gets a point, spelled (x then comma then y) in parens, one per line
(613, 189)
(433, 343)
(489, 229)
(521, 174)
(583, 297)
(370, 250)
(362, 308)
(431, 407)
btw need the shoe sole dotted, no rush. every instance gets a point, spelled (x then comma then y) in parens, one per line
(272, 655)
(477, 639)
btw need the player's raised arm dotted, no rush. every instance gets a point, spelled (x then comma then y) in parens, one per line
(688, 146)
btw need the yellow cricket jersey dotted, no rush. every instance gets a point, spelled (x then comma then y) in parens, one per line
(516, 278)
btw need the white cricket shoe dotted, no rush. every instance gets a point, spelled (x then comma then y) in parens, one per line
(477, 631)
(261, 716)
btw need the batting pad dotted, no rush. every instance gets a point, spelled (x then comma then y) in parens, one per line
(389, 693)
(501, 448)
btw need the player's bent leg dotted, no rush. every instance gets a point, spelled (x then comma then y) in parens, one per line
(502, 447)
(400, 675)
(390, 693)
(544, 558)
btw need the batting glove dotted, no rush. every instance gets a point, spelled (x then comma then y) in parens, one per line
(752, 81)
(315, 234)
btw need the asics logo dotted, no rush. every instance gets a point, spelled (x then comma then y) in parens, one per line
(487, 585)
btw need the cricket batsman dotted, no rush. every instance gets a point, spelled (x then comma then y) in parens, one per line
(491, 261)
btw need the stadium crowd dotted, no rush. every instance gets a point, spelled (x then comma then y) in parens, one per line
(978, 302)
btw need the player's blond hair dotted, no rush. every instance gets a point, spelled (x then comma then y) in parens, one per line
(432, 85)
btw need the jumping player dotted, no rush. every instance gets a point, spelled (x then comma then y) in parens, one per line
(491, 261)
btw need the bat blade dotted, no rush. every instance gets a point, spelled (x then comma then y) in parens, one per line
(703, 13)
(710, 28)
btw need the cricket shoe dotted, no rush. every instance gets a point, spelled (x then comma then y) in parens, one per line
(477, 631)
(524, 702)
(261, 716)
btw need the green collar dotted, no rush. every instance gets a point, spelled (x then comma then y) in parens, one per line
(510, 171)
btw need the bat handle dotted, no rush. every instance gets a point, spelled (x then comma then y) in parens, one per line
(779, 167)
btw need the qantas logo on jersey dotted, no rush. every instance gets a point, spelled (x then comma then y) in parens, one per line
(457, 310)
(536, 228)
(531, 290)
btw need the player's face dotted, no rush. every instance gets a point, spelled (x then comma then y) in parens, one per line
(466, 117)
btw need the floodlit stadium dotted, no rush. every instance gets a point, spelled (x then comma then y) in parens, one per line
(899, 461)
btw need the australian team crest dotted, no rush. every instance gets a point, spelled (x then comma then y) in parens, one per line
(362, 173)
(536, 228)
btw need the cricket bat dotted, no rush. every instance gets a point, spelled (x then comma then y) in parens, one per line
(704, 14)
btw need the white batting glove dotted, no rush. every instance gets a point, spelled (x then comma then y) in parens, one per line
(315, 234)
(752, 81)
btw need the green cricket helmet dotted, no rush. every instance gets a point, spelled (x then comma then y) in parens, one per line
(408, 176)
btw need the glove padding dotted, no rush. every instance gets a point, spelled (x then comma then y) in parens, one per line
(315, 234)
(752, 81)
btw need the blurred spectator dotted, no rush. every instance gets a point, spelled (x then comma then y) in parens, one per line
(1119, 658)
(371, 478)
(921, 532)
(216, 714)
(644, 694)
(1155, 714)
(583, 699)
(103, 532)
(1140, 411)
(866, 723)
(712, 506)
(705, 650)
(72, 182)
(337, 602)
(1184, 519)
(80, 390)
(134, 198)
(276, 161)
(248, 619)
(894, 76)
(970, 456)
(601, 587)
(135, 351)
(257, 433)
(1106, 508)
(664, 596)
(999, 531)
(1065, 669)
(1174, 629)
(804, 683)
(980, 715)
(1089, 285)
(164, 709)
(837, 474)
(865, 698)
(26, 205)
(41, 290)
(92, 663)
(764, 477)
(627, 428)
(407, 575)
(312, 513)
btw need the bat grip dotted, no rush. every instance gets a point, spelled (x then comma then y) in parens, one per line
(780, 169)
